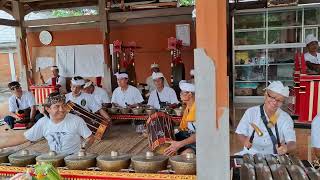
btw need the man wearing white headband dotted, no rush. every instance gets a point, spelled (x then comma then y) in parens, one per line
(267, 129)
(86, 101)
(162, 96)
(149, 81)
(312, 57)
(186, 137)
(125, 95)
(56, 79)
(99, 94)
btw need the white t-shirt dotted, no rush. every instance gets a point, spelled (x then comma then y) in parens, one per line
(64, 137)
(315, 129)
(61, 81)
(130, 96)
(264, 144)
(166, 95)
(87, 101)
(150, 84)
(27, 100)
(100, 95)
(312, 59)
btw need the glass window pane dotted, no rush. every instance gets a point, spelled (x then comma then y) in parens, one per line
(281, 72)
(312, 16)
(247, 21)
(253, 57)
(250, 38)
(249, 89)
(285, 55)
(285, 18)
(284, 36)
(251, 73)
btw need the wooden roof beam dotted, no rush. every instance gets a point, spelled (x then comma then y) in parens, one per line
(64, 20)
(120, 16)
(8, 22)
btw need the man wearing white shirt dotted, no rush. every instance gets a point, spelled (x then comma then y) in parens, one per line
(99, 94)
(315, 137)
(21, 102)
(149, 81)
(87, 101)
(162, 96)
(56, 80)
(312, 57)
(66, 133)
(125, 95)
(278, 135)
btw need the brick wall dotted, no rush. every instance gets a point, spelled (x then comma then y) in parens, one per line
(5, 71)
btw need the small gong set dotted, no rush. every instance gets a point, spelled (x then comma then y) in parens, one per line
(114, 162)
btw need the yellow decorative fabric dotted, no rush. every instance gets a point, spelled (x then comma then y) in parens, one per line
(189, 115)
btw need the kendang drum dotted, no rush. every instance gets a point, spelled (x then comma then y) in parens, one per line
(95, 122)
(160, 131)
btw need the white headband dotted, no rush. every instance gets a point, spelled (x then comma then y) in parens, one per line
(310, 38)
(121, 75)
(154, 65)
(87, 84)
(278, 87)
(78, 82)
(157, 75)
(185, 86)
(53, 68)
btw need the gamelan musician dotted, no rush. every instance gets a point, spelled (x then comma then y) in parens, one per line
(99, 94)
(267, 129)
(62, 130)
(125, 95)
(312, 57)
(149, 81)
(21, 106)
(86, 101)
(56, 80)
(162, 96)
(186, 137)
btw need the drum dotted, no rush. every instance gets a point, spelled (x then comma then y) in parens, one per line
(95, 122)
(41, 92)
(160, 130)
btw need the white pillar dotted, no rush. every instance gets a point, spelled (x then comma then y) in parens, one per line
(12, 67)
(213, 152)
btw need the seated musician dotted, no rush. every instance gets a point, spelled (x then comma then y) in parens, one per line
(315, 138)
(63, 131)
(186, 137)
(312, 57)
(162, 96)
(86, 101)
(60, 82)
(99, 94)
(125, 95)
(22, 106)
(276, 125)
(149, 81)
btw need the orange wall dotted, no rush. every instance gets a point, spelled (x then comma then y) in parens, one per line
(5, 71)
(152, 39)
(212, 36)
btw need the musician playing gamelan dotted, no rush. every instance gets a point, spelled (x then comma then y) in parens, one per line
(162, 96)
(273, 124)
(125, 95)
(312, 57)
(21, 101)
(66, 133)
(186, 137)
(149, 81)
(99, 94)
(86, 101)
(60, 82)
